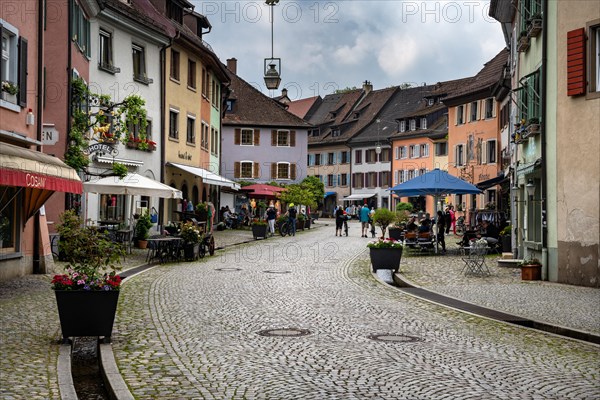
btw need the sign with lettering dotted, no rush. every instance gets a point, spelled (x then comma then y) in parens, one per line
(50, 135)
(184, 156)
(102, 148)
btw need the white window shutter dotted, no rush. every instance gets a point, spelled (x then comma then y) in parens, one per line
(456, 160)
(484, 152)
(494, 108)
(480, 105)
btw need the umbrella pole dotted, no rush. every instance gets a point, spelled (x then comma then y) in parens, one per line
(435, 204)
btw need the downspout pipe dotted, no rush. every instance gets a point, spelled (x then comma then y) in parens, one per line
(38, 127)
(544, 171)
(163, 107)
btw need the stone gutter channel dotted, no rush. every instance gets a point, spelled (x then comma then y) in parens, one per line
(118, 389)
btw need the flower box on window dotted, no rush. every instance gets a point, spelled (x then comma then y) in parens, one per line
(523, 43)
(534, 27)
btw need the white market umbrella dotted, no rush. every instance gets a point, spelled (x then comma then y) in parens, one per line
(132, 184)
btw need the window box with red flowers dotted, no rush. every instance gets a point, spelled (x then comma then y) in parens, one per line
(142, 144)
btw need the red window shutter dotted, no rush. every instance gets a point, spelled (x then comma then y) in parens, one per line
(273, 137)
(237, 136)
(293, 138)
(236, 169)
(273, 170)
(256, 170)
(293, 172)
(576, 79)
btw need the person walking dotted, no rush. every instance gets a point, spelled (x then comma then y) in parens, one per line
(453, 219)
(271, 217)
(447, 219)
(292, 213)
(441, 226)
(364, 220)
(339, 220)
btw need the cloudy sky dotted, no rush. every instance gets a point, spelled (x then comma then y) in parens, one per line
(329, 45)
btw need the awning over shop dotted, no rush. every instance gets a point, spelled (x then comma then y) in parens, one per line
(208, 177)
(327, 194)
(37, 173)
(359, 196)
(528, 168)
(492, 182)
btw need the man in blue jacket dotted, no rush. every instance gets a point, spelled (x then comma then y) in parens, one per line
(364, 219)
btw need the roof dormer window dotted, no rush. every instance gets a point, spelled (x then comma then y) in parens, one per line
(413, 124)
(402, 126)
(175, 11)
(430, 101)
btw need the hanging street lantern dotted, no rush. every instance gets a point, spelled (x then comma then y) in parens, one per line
(272, 66)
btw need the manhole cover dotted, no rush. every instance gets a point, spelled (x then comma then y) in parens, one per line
(228, 269)
(277, 272)
(394, 338)
(285, 332)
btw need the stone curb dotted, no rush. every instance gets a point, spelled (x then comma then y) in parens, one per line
(115, 384)
(402, 282)
(63, 368)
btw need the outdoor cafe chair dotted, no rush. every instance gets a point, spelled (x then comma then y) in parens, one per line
(474, 259)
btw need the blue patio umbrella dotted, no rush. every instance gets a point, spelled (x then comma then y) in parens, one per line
(434, 183)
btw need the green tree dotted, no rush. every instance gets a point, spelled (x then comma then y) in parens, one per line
(316, 187)
(404, 207)
(384, 217)
(297, 194)
(347, 89)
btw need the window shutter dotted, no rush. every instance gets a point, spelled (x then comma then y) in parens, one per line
(293, 172)
(273, 137)
(293, 138)
(257, 137)
(273, 170)
(236, 169)
(456, 156)
(456, 119)
(255, 170)
(484, 152)
(1, 35)
(381, 183)
(576, 79)
(493, 108)
(22, 95)
(237, 136)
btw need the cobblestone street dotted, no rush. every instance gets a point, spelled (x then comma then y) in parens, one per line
(192, 331)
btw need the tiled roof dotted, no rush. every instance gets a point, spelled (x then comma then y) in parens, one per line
(490, 75)
(400, 104)
(300, 108)
(253, 108)
(356, 114)
(435, 131)
(144, 12)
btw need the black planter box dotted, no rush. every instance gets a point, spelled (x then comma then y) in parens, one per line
(259, 231)
(506, 243)
(191, 251)
(86, 313)
(385, 258)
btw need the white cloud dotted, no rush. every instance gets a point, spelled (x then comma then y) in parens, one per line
(398, 54)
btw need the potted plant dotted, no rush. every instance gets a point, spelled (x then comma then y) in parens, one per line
(172, 229)
(142, 227)
(506, 239)
(383, 218)
(534, 25)
(202, 212)
(87, 295)
(9, 91)
(523, 43)
(300, 221)
(396, 231)
(385, 254)
(531, 270)
(259, 228)
(192, 236)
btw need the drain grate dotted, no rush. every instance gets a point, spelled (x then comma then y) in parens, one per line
(388, 337)
(277, 272)
(284, 332)
(228, 269)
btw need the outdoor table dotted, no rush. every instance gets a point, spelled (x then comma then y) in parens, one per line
(164, 248)
(474, 259)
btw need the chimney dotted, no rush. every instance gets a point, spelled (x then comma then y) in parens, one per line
(232, 65)
(367, 87)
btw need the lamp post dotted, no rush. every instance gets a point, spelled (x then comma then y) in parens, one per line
(530, 189)
(272, 66)
(378, 144)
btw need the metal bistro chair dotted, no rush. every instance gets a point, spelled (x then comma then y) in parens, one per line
(474, 259)
(125, 238)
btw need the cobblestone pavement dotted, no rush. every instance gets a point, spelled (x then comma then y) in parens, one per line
(569, 306)
(191, 330)
(29, 335)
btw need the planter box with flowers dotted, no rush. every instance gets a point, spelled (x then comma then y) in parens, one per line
(534, 26)
(259, 229)
(385, 254)
(9, 91)
(523, 42)
(192, 236)
(531, 270)
(87, 295)
(140, 144)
